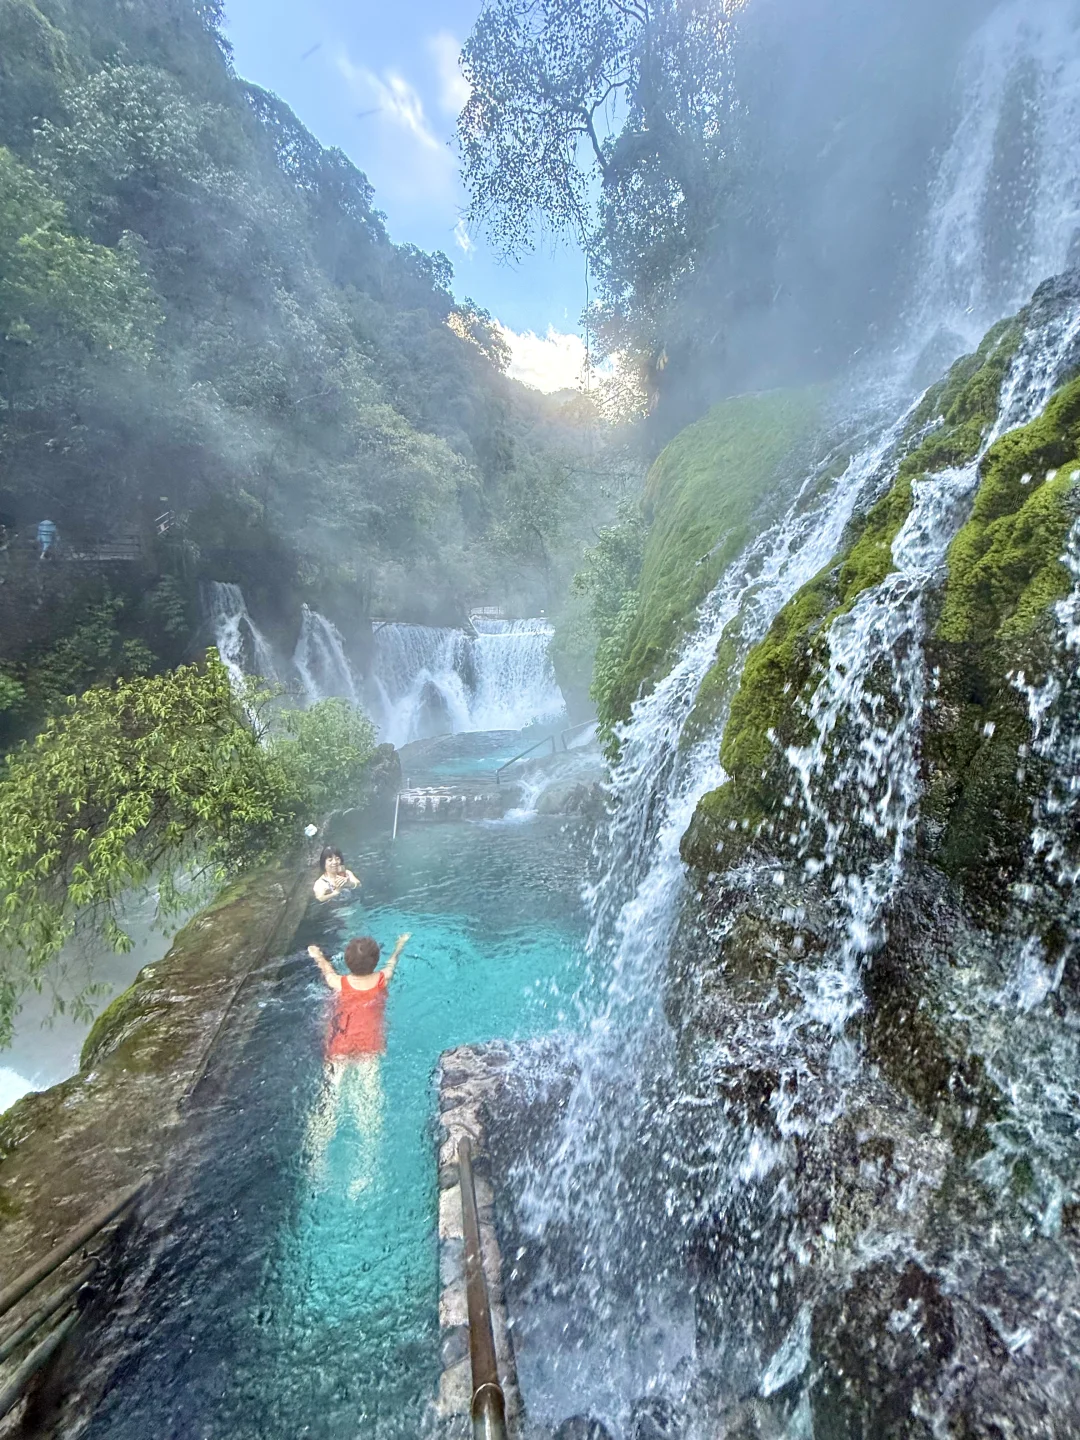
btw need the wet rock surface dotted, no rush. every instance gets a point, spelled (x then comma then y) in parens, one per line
(873, 987)
(65, 1151)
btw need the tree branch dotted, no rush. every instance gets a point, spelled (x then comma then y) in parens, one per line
(590, 130)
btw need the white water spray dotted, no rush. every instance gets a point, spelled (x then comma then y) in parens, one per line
(427, 681)
(624, 1266)
(321, 662)
(1005, 207)
(243, 648)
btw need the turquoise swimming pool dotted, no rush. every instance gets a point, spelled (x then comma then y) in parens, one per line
(301, 1296)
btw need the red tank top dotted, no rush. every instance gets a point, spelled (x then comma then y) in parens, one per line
(356, 1024)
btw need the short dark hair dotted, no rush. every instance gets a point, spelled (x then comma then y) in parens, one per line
(362, 955)
(330, 852)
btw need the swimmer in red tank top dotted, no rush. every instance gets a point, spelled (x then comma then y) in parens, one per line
(356, 1026)
(355, 1043)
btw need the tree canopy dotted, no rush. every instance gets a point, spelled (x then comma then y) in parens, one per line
(611, 118)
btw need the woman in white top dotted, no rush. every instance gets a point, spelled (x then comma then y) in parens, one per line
(335, 879)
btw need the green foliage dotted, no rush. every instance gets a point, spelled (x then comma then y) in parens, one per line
(160, 776)
(702, 497)
(34, 66)
(535, 132)
(12, 693)
(57, 289)
(618, 122)
(130, 130)
(321, 753)
(92, 650)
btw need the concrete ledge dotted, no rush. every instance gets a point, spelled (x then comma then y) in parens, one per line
(469, 1078)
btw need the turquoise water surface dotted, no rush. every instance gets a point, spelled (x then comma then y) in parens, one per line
(303, 1295)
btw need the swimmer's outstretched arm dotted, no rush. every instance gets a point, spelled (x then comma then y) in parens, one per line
(391, 964)
(329, 974)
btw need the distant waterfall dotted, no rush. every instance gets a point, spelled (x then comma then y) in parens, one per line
(243, 648)
(321, 662)
(425, 680)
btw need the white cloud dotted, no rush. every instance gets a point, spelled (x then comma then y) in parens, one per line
(395, 98)
(453, 87)
(462, 237)
(551, 362)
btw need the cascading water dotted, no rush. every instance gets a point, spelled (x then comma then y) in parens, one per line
(423, 681)
(321, 662)
(514, 678)
(623, 1274)
(611, 1214)
(243, 648)
(1005, 207)
(426, 681)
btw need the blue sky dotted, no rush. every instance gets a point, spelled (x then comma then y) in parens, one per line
(381, 81)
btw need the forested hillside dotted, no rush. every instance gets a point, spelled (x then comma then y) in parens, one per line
(214, 364)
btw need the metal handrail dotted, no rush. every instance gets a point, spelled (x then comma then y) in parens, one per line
(548, 739)
(24, 1283)
(14, 1390)
(46, 1311)
(574, 730)
(62, 1301)
(488, 1403)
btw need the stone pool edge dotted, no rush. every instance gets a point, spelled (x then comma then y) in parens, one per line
(468, 1079)
(65, 1150)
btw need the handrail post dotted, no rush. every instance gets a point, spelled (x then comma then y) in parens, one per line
(488, 1404)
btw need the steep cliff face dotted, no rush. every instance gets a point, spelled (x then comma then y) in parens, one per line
(874, 986)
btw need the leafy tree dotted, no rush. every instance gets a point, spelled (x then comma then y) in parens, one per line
(12, 693)
(608, 118)
(61, 296)
(129, 138)
(161, 776)
(320, 752)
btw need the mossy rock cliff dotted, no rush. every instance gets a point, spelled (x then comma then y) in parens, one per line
(1005, 574)
(709, 491)
(767, 711)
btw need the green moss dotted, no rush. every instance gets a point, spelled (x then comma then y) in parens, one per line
(766, 715)
(1004, 573)
(702, 498)
(109, 1025)
(1004, 567)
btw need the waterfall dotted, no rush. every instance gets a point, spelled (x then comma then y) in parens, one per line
(1005, 205)
(321, 662)
(589, 1186)
(609, 1212)
(243, 648)
(426, 681)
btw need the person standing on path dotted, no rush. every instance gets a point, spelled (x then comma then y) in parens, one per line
(46, 535)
